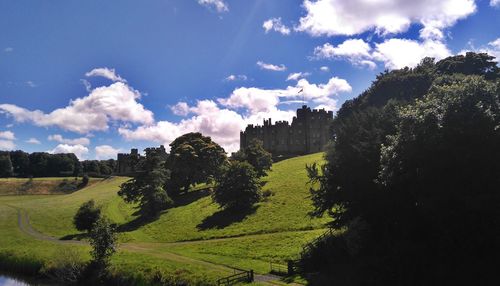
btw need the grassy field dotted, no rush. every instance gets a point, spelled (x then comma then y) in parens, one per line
(274, 231)
(36, 186)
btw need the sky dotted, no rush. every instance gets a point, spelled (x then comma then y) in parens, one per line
(100, 77)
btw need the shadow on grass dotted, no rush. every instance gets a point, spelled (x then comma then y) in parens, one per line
(76, 236)
(179, 201)
(225, 217)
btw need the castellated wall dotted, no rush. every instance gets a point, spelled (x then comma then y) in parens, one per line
(309, 133)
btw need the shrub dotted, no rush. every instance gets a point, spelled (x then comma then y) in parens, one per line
(66, 266)
(86, 216)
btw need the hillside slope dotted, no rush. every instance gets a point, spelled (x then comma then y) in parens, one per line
(39, 186)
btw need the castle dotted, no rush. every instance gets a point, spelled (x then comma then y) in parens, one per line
(126, 162)
(309, 132)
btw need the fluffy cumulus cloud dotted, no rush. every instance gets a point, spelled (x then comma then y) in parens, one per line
(495, 3)
(275, 24)
(7, 135)
(225, 118)
(271, 67)
(393, 53)
(77, 141)
(218, 5)
(297, 75)
(7, 145)
(106, 73)
(116, 102)
(104, 152)
(339, 17)
(79, 150)
(33, 141)
(357, 51)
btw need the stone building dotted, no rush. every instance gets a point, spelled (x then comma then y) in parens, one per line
(126, 163)
(309, 133)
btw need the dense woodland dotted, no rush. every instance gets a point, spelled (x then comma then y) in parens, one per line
(412, 179)
(41, 164)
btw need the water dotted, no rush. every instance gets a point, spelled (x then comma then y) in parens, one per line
(9, 281)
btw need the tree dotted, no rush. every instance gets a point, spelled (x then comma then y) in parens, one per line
(103, 242)
(5, 165)
(257, 156)
(86, 216)
(238, 187)
(193, 159)
(147, 186)
(20, 163)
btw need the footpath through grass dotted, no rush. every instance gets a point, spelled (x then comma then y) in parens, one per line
(275, 231)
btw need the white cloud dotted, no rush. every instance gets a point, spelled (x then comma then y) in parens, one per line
(271, 67)
(223, 120)
(7, 145)
(104, 152)
(181, 109)
(338, 17)
(233, 77)
(117, 102)
(399, 53)
(297, 75)
(324, 69)
(106, 73)
(33, 141)
(494, 3)
(275, 25)
(8, 135)
(8, 49)
(393, 53)
(79, 150)
(357, 51)
(86, 83)
(76, 141)
(218, 5)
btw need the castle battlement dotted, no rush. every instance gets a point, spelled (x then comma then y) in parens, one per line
(309, 132)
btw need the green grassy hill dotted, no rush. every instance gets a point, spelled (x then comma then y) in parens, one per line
(39, 186)
(274, 231)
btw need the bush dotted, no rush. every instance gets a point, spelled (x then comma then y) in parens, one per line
(103, 242)
(66, 266)
(238, 187)
(86, 216)
(85, 181)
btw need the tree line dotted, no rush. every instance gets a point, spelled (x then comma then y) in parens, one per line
(41, 164)
(412, 179)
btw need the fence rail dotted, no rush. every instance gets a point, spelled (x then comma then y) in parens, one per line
(278, 269)
(239, 276)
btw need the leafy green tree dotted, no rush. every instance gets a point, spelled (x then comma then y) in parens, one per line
(103, 242)
(5, 165)
(193, 159)
(147, 186)
(238, 187)
(86, 216)
(20, 163)
(257, 156)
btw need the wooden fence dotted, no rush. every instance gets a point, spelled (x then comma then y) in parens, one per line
(239, 275)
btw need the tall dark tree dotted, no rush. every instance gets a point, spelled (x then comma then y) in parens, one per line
(20, 163)
(86, 216)
(193, 159)
(147, 186)
(5, 165)
(257, 156)
(238, 187)
(103, 242)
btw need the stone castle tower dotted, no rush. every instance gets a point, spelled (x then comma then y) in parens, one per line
(309, 133)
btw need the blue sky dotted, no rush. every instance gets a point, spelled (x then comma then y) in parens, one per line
(99, 77)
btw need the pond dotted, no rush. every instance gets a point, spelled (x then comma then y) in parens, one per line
(8, 280)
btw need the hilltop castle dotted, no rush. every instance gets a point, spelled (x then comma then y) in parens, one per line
(126, 162)
(309, 132)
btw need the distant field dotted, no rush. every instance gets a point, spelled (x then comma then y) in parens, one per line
(36, 186)
(275, 231)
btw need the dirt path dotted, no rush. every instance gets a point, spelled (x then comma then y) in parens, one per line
(266, 279)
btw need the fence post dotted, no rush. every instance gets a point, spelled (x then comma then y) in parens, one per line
(251, 276)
